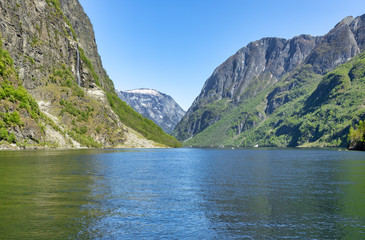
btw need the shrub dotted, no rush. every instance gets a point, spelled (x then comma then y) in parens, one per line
(15, 118)
(358, 134)
(12, 138)
(84, 140)
(80, 130)
(3, 134)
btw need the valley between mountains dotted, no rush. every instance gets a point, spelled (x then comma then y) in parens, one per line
(308, 91)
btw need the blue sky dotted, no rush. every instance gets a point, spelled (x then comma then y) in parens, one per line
(174, 45)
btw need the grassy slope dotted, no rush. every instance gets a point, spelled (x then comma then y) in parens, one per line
(319, 112)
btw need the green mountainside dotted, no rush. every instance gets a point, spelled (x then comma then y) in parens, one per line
(320, 114)
(314, 104)
(54, 91)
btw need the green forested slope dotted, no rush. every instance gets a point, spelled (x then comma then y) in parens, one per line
(314, 111)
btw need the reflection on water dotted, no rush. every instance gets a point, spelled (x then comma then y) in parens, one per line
(182, 193)
(42, 194)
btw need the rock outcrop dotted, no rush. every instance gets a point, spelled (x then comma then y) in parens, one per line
(159, 107)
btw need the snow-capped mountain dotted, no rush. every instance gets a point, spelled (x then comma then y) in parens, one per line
(157, 106)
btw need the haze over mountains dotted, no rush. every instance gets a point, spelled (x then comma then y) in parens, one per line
(279, 92)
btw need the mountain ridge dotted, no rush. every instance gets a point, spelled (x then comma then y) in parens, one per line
(274, 78)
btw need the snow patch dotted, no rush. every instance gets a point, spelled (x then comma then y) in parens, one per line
(144, 91)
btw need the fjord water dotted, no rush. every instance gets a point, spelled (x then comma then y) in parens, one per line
(182, 194)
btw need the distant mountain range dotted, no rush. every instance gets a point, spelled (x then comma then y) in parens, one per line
(159, 107)
(305, 91)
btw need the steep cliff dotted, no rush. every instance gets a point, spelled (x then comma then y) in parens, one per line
(55, 58)
(270, 82)
(252, 69)
(159, 107)
(86, 39)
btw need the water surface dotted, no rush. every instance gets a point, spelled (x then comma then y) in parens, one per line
(182, 194)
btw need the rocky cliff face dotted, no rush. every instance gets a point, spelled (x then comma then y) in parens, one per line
(258, 65)
(267, 58)
(86, 39)
(265, 77)
(157, 106)
(338, 46)
(54, 56)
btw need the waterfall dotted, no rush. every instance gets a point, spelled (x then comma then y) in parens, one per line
(77, 62)
(78, 65)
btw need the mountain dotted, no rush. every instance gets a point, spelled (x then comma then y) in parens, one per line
(278, 92)
(54, 90)
(159, 107)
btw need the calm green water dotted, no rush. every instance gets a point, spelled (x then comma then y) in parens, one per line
(182, 194)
